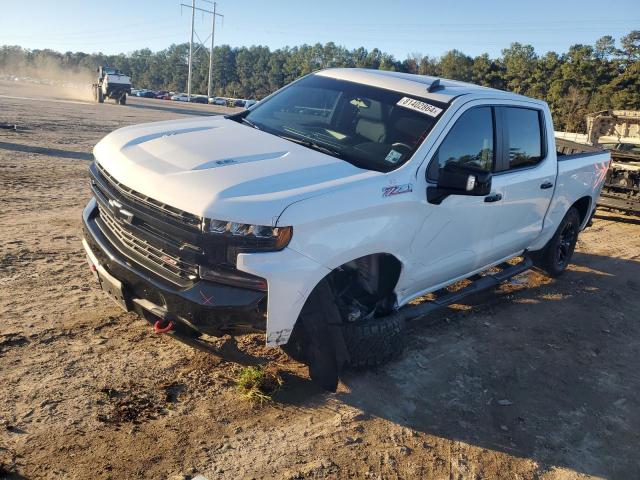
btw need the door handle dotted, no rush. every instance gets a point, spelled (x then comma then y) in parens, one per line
(546, 185)
(494, 197)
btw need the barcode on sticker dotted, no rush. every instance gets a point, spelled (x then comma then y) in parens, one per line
(418, 106)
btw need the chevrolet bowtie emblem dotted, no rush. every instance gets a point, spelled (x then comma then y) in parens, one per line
(125, 215)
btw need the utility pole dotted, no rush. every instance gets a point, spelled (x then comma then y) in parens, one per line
(213, 34)
(214, 14)
(193, 14)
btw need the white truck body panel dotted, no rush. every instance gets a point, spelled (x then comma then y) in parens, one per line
(578, 177)
(217, 168)
(221, 169)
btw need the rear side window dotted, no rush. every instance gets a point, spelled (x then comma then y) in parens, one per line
(470, 142)
(524, 136)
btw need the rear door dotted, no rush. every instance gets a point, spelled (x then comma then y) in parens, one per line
(527, 171)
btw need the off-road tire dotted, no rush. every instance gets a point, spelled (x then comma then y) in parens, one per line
(295, 346)
(313, 341)
(554, 258)
(369, 344)
(374, 342)
(327, 344)
(123, 100)
(100, 95)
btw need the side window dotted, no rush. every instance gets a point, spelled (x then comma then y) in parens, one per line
(469, 142)
(525, 136)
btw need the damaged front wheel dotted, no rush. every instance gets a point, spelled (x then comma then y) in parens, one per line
(374, 342)
(328, 342)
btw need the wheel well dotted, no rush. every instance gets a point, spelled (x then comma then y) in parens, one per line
(374, 275)
(582, 205)
(382, 268)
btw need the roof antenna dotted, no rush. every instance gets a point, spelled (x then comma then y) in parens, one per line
(435, 86)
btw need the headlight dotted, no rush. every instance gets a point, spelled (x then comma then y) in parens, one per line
(257, 237)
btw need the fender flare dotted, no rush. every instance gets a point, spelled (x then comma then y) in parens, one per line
(291, 277)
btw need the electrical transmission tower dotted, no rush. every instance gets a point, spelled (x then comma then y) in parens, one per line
(214, 16)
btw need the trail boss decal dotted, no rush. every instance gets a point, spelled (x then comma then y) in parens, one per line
(397, 190)
(418, 106)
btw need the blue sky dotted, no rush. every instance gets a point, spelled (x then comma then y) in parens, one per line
(399, 27)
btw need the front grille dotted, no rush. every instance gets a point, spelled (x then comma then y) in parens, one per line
(164, 260)
(188, 219)
(160, 238)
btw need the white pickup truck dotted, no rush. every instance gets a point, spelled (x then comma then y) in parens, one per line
(318, 214)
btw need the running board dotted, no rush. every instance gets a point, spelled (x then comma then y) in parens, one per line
(444, 298)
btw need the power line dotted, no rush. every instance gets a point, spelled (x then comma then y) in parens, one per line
(214, 16)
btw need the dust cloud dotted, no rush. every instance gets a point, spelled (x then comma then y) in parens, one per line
(50, 78)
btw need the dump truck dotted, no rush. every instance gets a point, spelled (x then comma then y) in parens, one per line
(112, 83)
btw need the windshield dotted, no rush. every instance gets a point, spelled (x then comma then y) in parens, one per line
(370, 127)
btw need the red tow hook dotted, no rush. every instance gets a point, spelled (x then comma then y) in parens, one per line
(158, 328)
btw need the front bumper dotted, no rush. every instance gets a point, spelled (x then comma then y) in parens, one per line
(116, 90)
(205, 306)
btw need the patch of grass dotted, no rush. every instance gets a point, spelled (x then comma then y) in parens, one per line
(258, 384)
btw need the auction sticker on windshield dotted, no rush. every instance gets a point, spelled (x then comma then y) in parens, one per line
(418, 106)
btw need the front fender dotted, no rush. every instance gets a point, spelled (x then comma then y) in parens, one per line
(291, 277)
(356, 222)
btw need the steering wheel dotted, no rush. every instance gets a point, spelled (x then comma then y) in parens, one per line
(401, 146)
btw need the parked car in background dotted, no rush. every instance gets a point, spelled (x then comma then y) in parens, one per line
(249, 103)
(199, 99)
(163, 95)
(238, 102)
(180, 97)
(146, 94)
(218, 101)
(134, 92)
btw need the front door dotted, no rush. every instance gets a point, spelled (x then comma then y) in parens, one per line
(456, 236)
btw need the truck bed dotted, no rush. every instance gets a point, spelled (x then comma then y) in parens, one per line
(615, 195)
(567, 149)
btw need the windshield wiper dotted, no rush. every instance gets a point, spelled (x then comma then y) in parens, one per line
(249, 122)
(314, 146)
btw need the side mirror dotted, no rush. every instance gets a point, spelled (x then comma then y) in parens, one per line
(456, 179)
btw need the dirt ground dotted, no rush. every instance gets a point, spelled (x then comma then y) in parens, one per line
(537, 380)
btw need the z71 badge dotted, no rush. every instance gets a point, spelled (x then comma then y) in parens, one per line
(397, 190)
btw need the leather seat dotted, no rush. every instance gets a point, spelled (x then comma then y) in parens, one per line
(370, 124)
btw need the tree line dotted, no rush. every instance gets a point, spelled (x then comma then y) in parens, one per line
(584, 79)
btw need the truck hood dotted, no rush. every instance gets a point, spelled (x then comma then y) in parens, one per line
(218, 168)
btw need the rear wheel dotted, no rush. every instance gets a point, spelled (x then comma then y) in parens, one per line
(123, 99)
(100, 95)
(555, 257)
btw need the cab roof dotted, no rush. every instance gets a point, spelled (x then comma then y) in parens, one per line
(442, 90)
